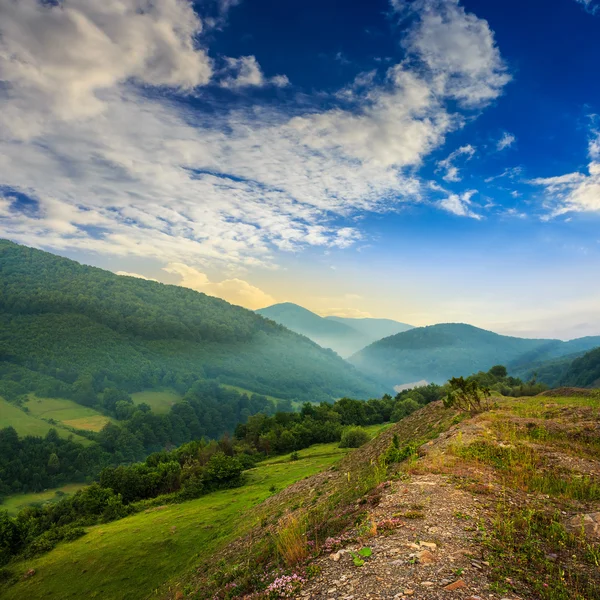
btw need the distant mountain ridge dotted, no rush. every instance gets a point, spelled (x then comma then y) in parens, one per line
(438, 352)
(342, 334)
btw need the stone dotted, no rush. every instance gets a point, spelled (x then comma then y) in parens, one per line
(427, 583)
(590, 523)
(429, 545)
(457, 585)
(425, 557)
(409, 592)
(335, 557)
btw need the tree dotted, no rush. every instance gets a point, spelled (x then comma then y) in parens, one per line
(53, 463)
(498, 371)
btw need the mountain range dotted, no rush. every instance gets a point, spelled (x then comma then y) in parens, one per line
(342, 334)
(438, 352)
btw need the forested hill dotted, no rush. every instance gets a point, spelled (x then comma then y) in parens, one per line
(438, 352)
(61, 321)
(583, 371)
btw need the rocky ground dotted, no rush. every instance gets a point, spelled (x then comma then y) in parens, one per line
(433, 551)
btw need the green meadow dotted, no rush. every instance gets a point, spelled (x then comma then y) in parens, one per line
(13, 504)
(159, 401)
(68, 412)
(131, 558)
(29, 424)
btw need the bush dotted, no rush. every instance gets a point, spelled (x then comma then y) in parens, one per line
(467, 395)
(354, 437)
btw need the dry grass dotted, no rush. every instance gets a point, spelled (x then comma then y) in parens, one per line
(290, 539)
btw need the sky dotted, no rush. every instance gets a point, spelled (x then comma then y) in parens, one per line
(426, 160)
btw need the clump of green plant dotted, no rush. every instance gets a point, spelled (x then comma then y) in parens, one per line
(358, 558)
(354, 437)
(397, 453)
(467, 395)
(294, 456)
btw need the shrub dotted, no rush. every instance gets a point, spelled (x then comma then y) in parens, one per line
(354, 437)
(467, 395)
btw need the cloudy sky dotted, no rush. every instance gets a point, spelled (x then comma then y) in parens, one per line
(423, 160)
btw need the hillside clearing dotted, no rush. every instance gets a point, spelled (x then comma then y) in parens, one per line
(28, 424)
(13, 504)
(68, 412)
(159, 401)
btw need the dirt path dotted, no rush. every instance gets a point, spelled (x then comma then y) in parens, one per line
(433, 552)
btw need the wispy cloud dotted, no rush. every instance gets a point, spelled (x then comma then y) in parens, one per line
(246, 72)
(506, 141)
(591, 6)
(113, 164)
(460, 204)
(575, 192)
(452, 171)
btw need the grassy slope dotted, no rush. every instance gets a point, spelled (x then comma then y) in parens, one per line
(13, 504)
(68, 412)
(132, 557)
(532, 463)
(28, 424)
(159, 401)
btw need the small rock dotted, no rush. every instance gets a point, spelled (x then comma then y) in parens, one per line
(590, 523)
(427, 583)
(426, 557)
(409, 592)
(335, 557)
(457, 585)
(429, 545)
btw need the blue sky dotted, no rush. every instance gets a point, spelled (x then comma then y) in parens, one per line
(428, 161)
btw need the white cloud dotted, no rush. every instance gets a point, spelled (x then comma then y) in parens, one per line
(575, 192)
(59, 59)
(452, 171)
(137, 275)
(246, 72)
(235, 291)
(458, 47)
(115, 166)
(506, 141)
(460, 204)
